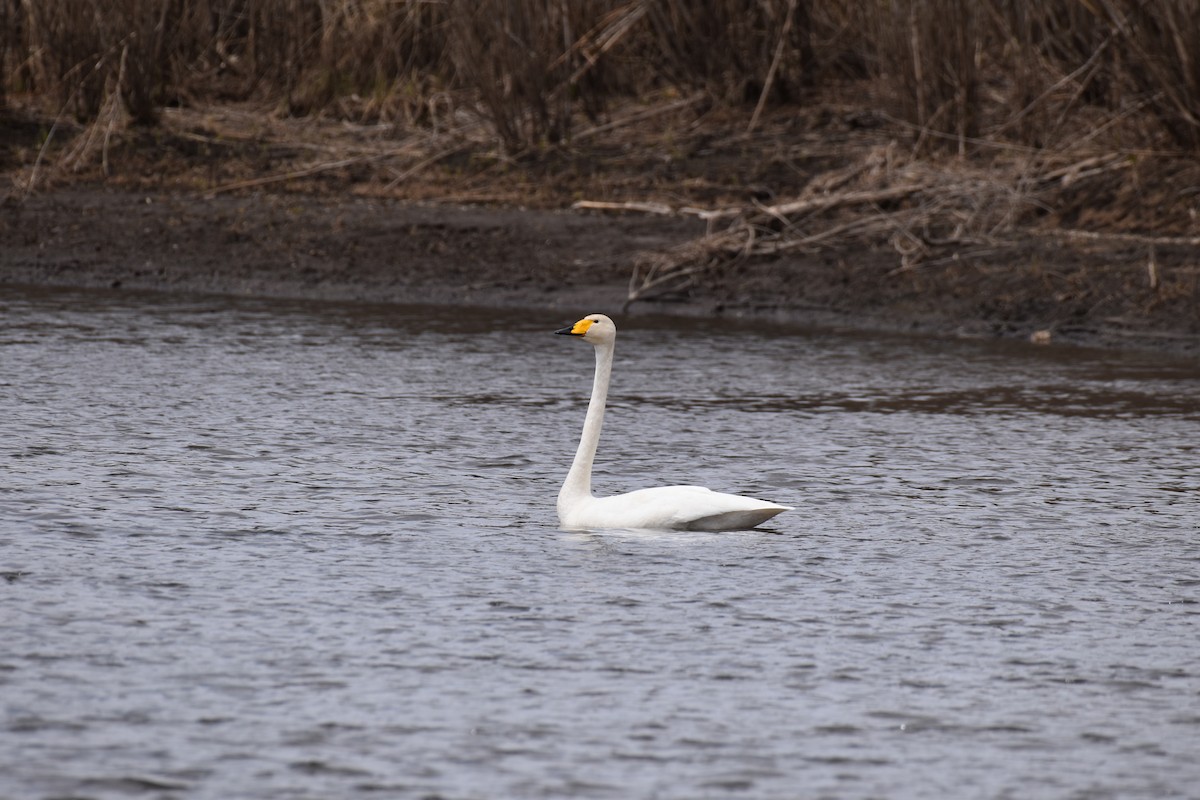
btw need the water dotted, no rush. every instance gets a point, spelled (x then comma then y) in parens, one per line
(267, 550)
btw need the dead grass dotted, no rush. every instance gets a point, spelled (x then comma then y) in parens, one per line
(1023, 72)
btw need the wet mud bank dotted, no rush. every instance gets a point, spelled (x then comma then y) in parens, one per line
(569, 262)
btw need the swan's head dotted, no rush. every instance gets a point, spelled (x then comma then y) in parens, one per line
(594, 329)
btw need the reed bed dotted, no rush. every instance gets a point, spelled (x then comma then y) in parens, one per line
(1017, 70)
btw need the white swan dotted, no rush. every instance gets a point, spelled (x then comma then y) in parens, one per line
(662, 508)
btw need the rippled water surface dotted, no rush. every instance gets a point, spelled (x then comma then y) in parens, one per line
(266, 550)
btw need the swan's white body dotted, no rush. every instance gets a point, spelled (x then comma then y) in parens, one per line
(661, 508)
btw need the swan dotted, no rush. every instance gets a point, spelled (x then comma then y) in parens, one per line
(693, 508)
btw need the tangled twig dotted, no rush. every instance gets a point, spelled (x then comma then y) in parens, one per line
(927, 215)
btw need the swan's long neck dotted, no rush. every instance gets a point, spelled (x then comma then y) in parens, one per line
(579, 480)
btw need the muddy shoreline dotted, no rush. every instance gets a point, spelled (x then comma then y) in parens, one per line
(354, 248)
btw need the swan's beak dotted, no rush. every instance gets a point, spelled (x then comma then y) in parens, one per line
(578, 329)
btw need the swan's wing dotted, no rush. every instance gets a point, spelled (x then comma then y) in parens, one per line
(707, 510)
(678, 508)
(734, 520)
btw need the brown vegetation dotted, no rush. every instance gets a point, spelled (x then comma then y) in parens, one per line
(1014, 71)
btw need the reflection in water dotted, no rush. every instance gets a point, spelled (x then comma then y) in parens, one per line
(1054, 399)
(286, 550)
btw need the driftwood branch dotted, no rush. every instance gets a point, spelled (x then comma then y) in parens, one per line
(779, 212)
(642, 207)
(1136, 238)
(927, 216)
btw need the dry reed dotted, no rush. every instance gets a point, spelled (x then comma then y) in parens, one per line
(1019, 70)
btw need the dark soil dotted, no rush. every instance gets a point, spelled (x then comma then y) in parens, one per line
(301, 246)
(156, 224)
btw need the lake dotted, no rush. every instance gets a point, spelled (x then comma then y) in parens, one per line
(267, 549)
